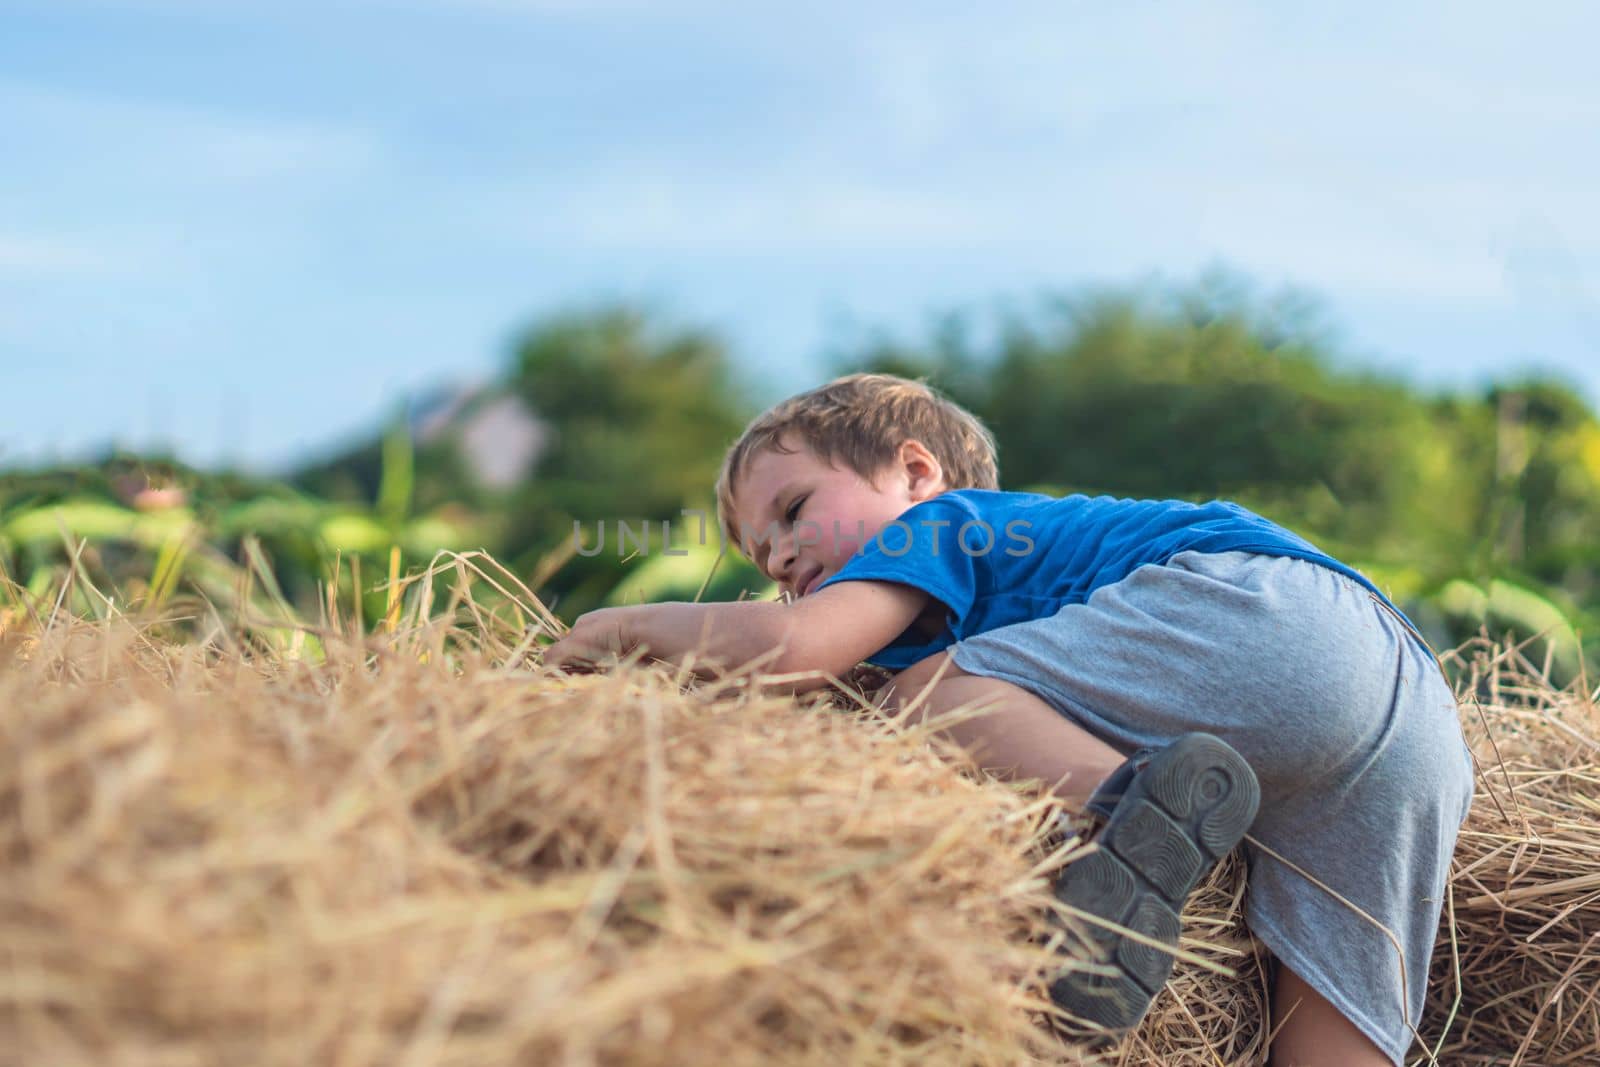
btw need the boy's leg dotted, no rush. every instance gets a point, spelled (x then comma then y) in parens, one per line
(1170, 815)
(1315, 1034)
(1025, 737)
(1020, 736)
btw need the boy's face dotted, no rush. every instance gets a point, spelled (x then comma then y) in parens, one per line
(801, 519)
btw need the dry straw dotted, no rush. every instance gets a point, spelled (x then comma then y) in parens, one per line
(1517, 972)
(242, 847)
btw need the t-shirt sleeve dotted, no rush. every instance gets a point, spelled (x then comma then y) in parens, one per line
(935, 547)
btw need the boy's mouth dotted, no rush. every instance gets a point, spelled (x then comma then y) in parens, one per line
(810, 583)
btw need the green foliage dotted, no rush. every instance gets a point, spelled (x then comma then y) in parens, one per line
(638, 419)
(1504, 608)
(140, 528)
(399, 476)
(702, 572)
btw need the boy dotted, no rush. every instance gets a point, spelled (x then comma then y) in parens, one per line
(1232, 660)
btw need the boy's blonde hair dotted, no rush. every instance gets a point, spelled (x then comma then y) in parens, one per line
(859, 422)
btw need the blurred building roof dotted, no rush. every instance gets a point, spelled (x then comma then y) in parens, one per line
(500, 440)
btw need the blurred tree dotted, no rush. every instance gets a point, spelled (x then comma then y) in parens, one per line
(1544, 508)
(638, 419)
(1186, 396)
(631, 419)
(354, 474)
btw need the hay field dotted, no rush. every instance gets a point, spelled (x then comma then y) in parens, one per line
(237, 840)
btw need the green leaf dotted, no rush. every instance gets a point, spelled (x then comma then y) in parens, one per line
(399, 475)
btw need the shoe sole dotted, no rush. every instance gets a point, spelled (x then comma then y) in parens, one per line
(1180, 815)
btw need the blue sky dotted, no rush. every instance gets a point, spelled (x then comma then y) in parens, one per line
(248, 230)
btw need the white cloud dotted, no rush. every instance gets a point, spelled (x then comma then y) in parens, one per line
(1106, 140)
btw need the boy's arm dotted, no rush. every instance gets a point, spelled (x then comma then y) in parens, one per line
(824, 634)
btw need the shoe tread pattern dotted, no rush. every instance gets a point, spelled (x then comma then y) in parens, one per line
(1181, 814)
(1204, 784)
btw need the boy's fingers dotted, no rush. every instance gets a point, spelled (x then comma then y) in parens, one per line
(566, 654)
(583, 647)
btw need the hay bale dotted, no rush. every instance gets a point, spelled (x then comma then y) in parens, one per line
(209, 854)
(210, 857)
(1517, 972)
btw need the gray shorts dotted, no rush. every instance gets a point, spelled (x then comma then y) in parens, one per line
(1345, 718)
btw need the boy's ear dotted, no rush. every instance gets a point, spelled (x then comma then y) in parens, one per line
(924, 474)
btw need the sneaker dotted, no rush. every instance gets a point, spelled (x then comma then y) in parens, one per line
(1171, 814)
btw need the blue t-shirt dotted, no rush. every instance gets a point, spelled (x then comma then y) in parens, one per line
(995, 558)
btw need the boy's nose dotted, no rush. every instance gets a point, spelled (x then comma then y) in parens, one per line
(780, 563)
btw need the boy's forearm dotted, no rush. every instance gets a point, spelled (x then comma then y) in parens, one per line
(727, 635)
(821, 636)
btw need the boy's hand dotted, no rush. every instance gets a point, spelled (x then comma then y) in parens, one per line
(866, 678)
(595, 637)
